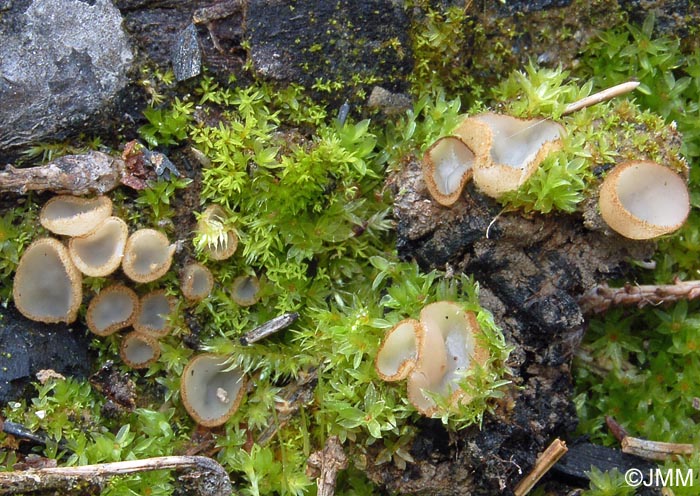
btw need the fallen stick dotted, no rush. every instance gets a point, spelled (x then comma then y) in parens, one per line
(85, 174)
(545, 461)
(655, 450)
(601, 96)
(601, 297)
(324, 465)
(204, 476)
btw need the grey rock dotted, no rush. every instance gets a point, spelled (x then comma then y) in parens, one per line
(187, 57)
(316, 40)
(26, 347)
(61, 61)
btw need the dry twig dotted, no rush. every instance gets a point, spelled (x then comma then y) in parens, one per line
(205, 477)
(324, 465)
(601, 96)
(599, 298)
(655, 450)
(89, 173)
(544, 462)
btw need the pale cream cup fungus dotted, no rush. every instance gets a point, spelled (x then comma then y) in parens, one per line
(100, 252)
(643, 200)
(211, 390)
(47, 286)
(245, 290)
(73, 215)
(196, 282)
(508, 150)
(460, 332)
(426, 377)
(447, 167)
(398, 353)
(114, 308)
(435, 354)
(138, 350)
(147, 255)
(153, 317)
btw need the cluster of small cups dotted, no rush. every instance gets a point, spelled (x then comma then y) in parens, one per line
(639, 199)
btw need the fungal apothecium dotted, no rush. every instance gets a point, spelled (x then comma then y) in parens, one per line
(434, 353)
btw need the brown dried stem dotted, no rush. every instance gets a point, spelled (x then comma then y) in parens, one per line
(325, 465)
(601, 96)
(89, 173)
(655, 450)
(599, 298)
(545, 461)
(205, 477)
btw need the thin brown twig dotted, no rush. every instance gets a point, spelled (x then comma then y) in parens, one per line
(324, 465)
(545, 461)
(655, 450)
(601, 297)
(601, 96)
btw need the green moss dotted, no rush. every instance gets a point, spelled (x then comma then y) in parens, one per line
(18, 227)
(306, 195)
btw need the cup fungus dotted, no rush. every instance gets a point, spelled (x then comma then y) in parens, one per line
(196, 282)
(153, 317)
(147, 255)
(397, 356)
(211, 390)
(100, 252)
(508, 150)
(139, 350)
(245, 290)
(47, 286)
(434, 354)
(222, 242)
(114, 308)
(73, 215)
(447, 167)
(643, 200)
(460, 333)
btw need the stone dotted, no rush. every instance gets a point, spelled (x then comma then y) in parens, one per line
(61, 62)
(316, 40)
(27, 347)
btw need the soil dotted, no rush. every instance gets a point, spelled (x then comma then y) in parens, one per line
(531, 270)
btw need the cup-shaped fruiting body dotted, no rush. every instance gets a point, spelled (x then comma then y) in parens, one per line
(139, 350)
(221, 242)
(147, 255)
(398, 353)
(245, 290)
(73, 215)
(47, 286)
(211, 390)
(426, 376)
(153, 317)
(460, 332)
(100, 252)
(447, 167)
(196, 282)
(435, 354)
(508, 150)
(114, 308)
(643, 200)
